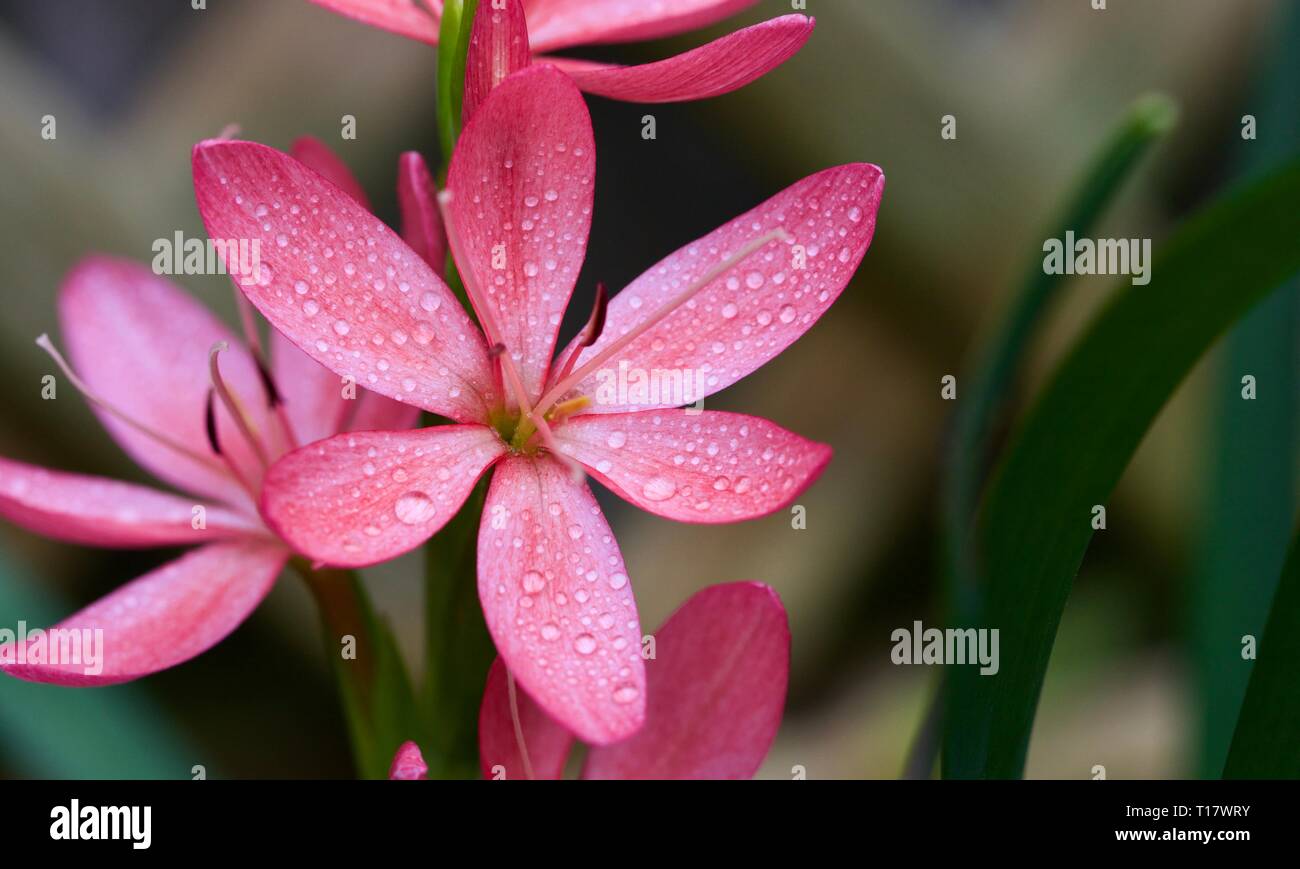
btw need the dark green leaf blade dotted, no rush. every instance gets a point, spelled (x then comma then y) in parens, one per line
(1266, 744)
(1034, 525)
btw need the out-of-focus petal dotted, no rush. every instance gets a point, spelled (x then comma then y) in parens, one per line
(340, 284)
(142, 345)
(156, 621)
(315, 154)
(100, 512)
(752, 311)
(711, 70)
(421, 221)
(362, 498)
(498, 46)
(557, 600)
(408, 764)
(558, 23)
(522, 182)
(377, 413)
(716, 691)
(410, 18)
(704, 467)
(545, 743)
(312, 394)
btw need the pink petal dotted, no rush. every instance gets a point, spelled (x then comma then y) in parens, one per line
(340, 284)
(142, 345)
(521, 179)
(408, 18)
(716, 691)
(314, 398)
(374, 412)
(719, 67)
(546, 743)
(498, 46)
(312, 394)
(557, 23)
(408, 764)
(315, 154)
(162, 618)
(751, 312)
(100, 512)
(359, 499)
(557, 600)
(695, 467)
(421, 221)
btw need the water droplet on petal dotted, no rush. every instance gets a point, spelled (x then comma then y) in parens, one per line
(659, 489)
(414, 508)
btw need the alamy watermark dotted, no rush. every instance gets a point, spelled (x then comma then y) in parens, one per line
(1103, 256)
(654, 387)
(81, 647)
(921, 645)
(196, 256)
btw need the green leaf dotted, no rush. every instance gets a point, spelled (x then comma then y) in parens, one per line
(378, 702)
(1265, 743)
(1035, 521)
(1252, 451)
(459, 650)
(986, 390)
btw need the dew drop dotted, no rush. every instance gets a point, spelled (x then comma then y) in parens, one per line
(659, 489)
(415, 508)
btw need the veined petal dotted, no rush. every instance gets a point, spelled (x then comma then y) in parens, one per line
(359, 499)
(410, 18)
(704, 467)
(751, 312)
(545, 743)
(716, 691)
(142, 345)
(421, 221)
(315, 154)
(719, 67)
(156, 621)
(498, 46)
(557, 600)
(558, 23)
(408, 764)
(340, 284)
(101, 512)
(521, 181)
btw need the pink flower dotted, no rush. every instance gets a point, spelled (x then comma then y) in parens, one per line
(553, 586)
(715, 691)
(720, 66)
(165, 378)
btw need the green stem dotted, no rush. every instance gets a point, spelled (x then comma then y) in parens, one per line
(453, 46)
(378, 701)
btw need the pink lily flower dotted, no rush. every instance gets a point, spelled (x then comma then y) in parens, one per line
(190, 404)
(551, 579)
(715, 692)
(719, 67)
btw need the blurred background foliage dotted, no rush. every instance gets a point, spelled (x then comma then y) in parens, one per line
(1146, 675)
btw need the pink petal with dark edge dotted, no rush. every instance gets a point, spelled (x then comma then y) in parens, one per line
(545, 742)
(417, 197)
(695, 467)
(522, 184)
(340, 284)
(716, 691)
(557, 600)
(719, 67)
(359, 499)
(165, 617)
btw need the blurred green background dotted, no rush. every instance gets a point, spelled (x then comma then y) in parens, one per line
(1139, 680)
